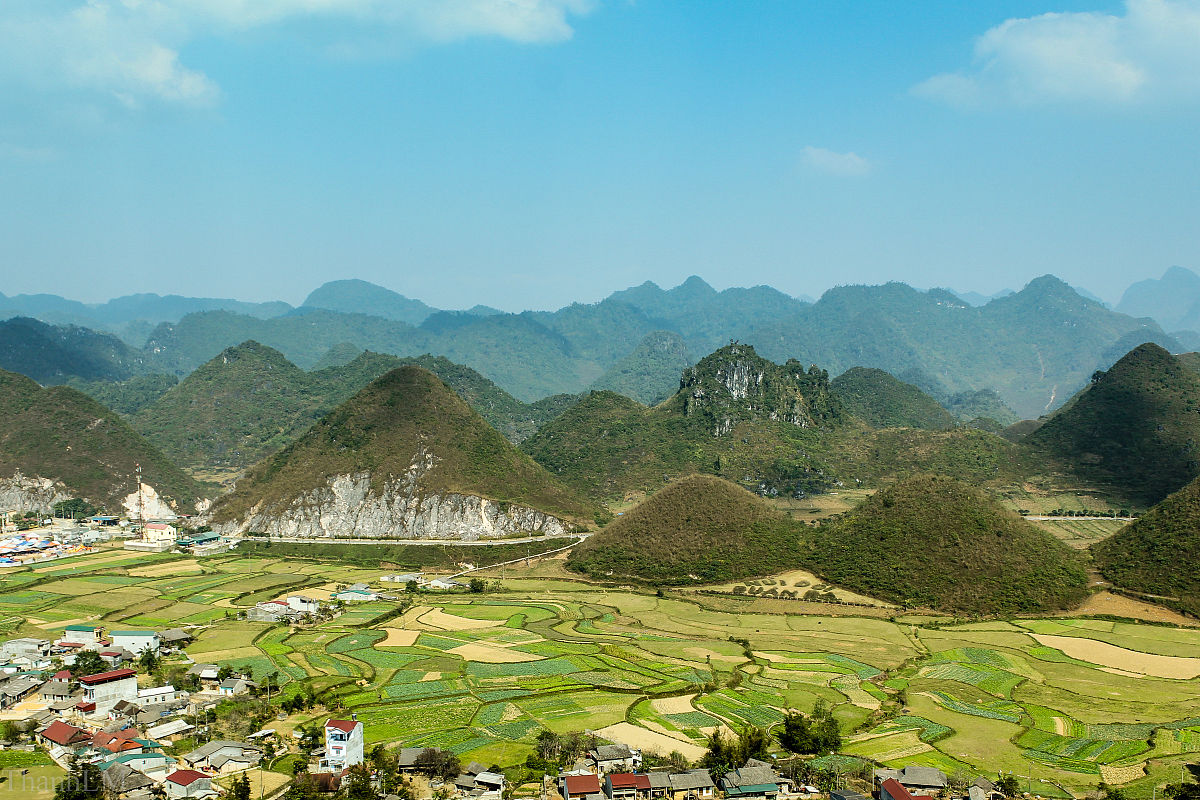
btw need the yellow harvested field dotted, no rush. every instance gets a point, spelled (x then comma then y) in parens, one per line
(399, 638)
(170, 568)
(655, 742)
(430, 676)
(1118, 658)
(491, 654)
(1107, 603)
(674, 705)
(436, 618)
(1118, 775)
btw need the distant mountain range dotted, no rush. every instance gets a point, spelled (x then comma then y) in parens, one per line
(1034, 348)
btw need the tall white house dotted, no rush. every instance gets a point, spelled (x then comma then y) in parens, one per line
(103, 691)
(343, 744)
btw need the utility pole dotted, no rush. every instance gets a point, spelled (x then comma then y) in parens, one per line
(141, 502)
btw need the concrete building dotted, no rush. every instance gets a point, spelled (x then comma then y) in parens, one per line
(26, 648)
(135, 641)
(187, 783)
(223, 756)
(105, 690)
(343, 745)
(87, 635)
(303, 605)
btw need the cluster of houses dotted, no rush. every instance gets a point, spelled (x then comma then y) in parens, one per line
(292, 609)
(160, 537)
(114, 647)
(613, 771)
(422, 582)
(133, 765)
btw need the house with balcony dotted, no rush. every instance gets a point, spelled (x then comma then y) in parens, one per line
(343, 745)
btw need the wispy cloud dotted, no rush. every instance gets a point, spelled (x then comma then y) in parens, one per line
(829, 162)
(1150, 52)
(129, 50)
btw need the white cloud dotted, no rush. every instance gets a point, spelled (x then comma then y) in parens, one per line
(842, 165)
(130, 49)
(1151, 52)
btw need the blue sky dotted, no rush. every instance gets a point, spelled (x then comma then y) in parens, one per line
(528, 153)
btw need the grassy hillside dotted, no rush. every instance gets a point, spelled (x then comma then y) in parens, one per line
(62, 434)
(1157, 553)
(250, 402)
(649, 374)
(775, 429)
(1133, 430)
(736, 415)
(129, 396)
(406, 415)
(883, 401)
(936, 542)
(57, 353)
(700, 529)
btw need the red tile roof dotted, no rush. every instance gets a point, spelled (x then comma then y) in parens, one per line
(344, 725)
(185, 777)
(86, 706)
(105, 677)
(896, 789)
(628, 780)
(60, 732)
(583, 784)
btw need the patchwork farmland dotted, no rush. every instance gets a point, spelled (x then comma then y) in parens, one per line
(1063, 703)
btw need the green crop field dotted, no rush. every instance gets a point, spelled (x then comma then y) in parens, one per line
(482, 674)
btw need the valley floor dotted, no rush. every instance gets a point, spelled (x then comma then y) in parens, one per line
(1069, 701)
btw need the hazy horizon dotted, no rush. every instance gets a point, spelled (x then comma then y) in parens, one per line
(526, 155)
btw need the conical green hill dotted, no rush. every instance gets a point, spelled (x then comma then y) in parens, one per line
(1134, 430)
(1157, 553)
(936, 542)
(407, 417)
(700, 529)
(64, 435)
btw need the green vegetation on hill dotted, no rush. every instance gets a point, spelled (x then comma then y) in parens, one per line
(62, 434)
(700, 529)
(736, 415)
(54, 354)
(650, 373)
(129, 396)
(980, 404)
(250, 401)
(407, 417)
(933, 541)
(1033, 346)
(774, 429)
(884, 401)
(1134, 429)
(1157, 553)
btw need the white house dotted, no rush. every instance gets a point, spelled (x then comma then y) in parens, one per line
(160, 532)
(103, 691)
(303, 605)
(135, 641)
(87, 635)
(187, 783)
(159, 694)
(343, 745)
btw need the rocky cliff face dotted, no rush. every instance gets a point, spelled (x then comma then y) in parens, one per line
(349, 507)
(20, 493)
(735, 383)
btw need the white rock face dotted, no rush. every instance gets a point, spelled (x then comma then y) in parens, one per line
(347, 508)
(20, 493)
(151, 506)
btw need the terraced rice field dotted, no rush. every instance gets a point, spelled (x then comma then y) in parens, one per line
(482, 674)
